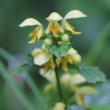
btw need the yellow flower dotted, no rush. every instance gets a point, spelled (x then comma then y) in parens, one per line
(72, 80)
(40, 56)
(77, 79)
(70, 28)
(54, 26)
(64, 62)
(37, 32)
(75, 57)
(72, 57)
(70, 15)
(50, 75)
(43, 58)
(49, 65)
(80, 92)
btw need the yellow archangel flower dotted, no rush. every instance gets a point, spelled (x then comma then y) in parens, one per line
(40, 56)
(37, 32)
(72, 79)
(54, 26)
(80, 92)
(43, 58)
(72, 57)
(72, 15)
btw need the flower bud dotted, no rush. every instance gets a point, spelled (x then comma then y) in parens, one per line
(59, 106)
(43, 46)
(72, 51)
(65, 38)
(76, 58)
(47, 41)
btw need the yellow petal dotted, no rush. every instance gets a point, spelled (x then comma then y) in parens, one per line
(40, 32)
(50, 75)
(87, 90)
(54, 28)
(75, 32)
(74, 14)
(70, 28)
(32, 40)
(77, 79)
(29, 22)
(36, 34)
(79, 99)
(54, 16)
(42, 58)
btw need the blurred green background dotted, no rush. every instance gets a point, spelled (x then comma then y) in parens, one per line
(93, 44)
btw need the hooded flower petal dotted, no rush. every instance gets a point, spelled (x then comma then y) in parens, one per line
(54, 16)
(74, 14)
(40, 57)
(29, 22)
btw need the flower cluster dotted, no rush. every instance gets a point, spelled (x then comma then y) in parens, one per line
(56, 49)
(56, 56)
(71, 84)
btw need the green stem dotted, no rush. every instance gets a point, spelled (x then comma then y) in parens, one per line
(57, 75)
(58, 85)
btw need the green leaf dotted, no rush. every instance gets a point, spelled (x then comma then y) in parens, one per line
(92, 74)
(22, 68)
(59, 50)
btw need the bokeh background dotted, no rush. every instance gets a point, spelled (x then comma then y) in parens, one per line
(93, 44)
